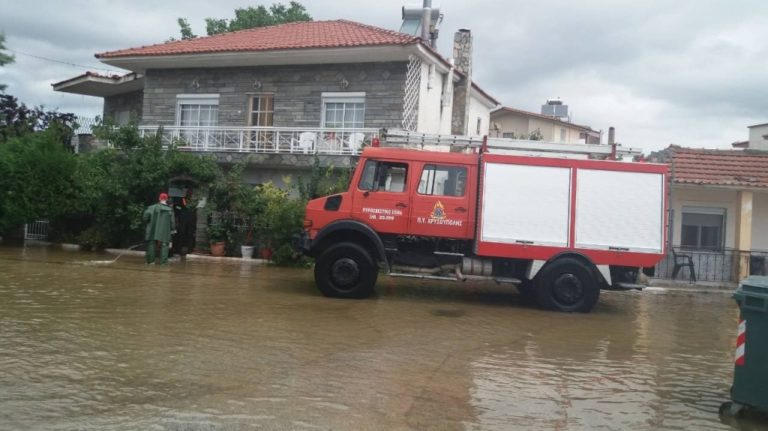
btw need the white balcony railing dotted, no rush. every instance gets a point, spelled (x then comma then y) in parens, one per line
(282, 140)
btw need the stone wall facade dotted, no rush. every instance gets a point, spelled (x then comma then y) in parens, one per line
(128, 106)
(462, 55)
(297, 92)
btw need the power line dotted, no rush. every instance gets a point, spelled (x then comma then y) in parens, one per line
(61, 61)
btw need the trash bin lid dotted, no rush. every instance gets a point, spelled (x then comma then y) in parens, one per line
(754, 284)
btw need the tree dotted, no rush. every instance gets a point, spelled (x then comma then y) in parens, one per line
(17, 120)
(250, 17)
(4, 58)
(37, 179)
(186, 30)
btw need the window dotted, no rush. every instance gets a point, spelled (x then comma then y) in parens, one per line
(443, 180)
(508, 135)
(479, 124)
(123, 117)
(702, 228)
(261, 110)
(384, 176)
(343, 110)
(261, 113)
(197, 110)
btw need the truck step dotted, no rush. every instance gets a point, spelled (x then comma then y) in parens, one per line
(508, 280)
(423, 276)
(628, 286)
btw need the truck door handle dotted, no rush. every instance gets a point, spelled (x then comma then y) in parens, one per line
(401, 205)
(460, 210)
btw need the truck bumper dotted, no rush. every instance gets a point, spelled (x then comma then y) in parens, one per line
(302, 243)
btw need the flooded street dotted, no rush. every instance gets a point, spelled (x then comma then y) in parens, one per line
(211, 346)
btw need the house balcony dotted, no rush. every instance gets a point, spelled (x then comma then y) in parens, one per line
(711, 266)
(265, 140)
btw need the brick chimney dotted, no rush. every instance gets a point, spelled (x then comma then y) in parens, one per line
(462, 57)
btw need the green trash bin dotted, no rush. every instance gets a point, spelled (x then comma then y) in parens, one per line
(750, 376)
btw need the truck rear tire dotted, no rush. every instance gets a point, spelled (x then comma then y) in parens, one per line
(568, 285)
(346, 270)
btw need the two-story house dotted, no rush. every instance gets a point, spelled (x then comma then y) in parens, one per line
(285, 92)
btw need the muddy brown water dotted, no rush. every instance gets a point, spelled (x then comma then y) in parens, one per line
(212, 346)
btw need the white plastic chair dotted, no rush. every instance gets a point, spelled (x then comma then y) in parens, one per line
(307, 142)
(355, 142)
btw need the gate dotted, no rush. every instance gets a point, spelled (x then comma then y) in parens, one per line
(37, 231)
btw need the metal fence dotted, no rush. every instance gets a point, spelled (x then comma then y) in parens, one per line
(85, 125)
(37, 230)
(711, 266)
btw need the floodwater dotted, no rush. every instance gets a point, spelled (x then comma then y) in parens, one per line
(212, 346)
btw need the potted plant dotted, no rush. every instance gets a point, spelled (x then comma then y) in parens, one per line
(246, 248)
(265, 251)
(217, 236)
(248, 206)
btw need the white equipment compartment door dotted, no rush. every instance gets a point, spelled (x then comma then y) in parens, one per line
(619, 210)
(525, 204)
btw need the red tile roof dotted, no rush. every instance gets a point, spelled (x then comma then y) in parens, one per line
(737, 168)
(297, 35)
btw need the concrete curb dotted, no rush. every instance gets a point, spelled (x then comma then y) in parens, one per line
(691, 289)
(686, 285)
(194, 256)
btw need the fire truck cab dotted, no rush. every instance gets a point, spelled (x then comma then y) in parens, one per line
(559, 229)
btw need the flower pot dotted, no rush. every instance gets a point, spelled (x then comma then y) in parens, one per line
(246, 251)
(217, 248)
(265, 253)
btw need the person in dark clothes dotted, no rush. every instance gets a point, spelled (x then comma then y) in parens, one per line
(184, 240)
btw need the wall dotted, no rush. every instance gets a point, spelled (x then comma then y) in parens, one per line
(478, 110)
(756, 140)
(430, 106)
(130, 103)
(705, 197)
(546, 128)
(297, 92)
(509, 123)
(760, 221)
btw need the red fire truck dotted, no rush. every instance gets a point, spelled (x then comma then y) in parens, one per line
(559, 228)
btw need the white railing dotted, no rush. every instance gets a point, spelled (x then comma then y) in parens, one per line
(285, 140)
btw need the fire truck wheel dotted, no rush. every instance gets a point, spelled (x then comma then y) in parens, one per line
(567, 285)
(346, 270)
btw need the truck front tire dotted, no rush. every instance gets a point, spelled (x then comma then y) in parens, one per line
(346, 270)
(568, 285)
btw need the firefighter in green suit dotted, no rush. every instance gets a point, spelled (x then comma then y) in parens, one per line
(160, 225)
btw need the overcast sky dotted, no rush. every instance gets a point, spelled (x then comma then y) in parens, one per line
(687, 72)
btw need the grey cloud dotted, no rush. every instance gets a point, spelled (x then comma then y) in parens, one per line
(688, 72)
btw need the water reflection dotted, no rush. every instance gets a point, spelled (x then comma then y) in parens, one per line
(216, 346)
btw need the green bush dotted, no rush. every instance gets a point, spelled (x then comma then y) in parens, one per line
(37, 179)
